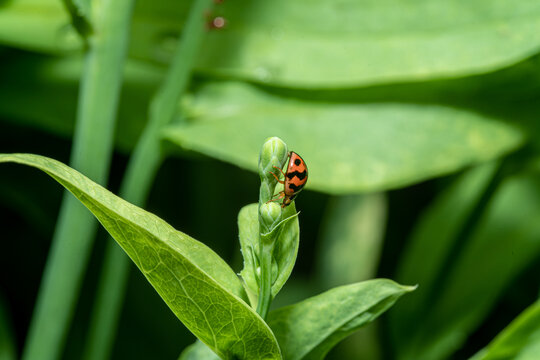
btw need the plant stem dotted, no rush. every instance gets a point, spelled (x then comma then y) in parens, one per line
(138, 179)
(265, 286)
(91, 155)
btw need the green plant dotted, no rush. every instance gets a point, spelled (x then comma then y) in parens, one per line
(418, 120)
(204, 292)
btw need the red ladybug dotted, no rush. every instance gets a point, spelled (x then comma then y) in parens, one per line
(295, 179)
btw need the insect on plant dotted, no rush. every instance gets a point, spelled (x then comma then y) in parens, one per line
(294, 179)
(242, 325)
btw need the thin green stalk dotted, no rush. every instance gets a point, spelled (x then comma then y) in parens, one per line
(265, 288)
(91, 154)
(138, 179)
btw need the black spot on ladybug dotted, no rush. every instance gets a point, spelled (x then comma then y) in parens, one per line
(299, 175)
(296, 188)
(297, 162)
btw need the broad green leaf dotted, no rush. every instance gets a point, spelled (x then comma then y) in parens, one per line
(309, 329)
(156, 27)
(348, 148)
(314, 44)
(45, 26)
(285, 251)
(509, 94)
(431, 326)
(352, 43)
(198, 351)
(40, 25)
(351, 239)
(198, 286)
(520, 340)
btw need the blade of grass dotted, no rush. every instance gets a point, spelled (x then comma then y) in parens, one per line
(91, 154)
(138, 179)
(505, 167)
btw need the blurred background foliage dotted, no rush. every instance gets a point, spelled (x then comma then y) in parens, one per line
(418, 121)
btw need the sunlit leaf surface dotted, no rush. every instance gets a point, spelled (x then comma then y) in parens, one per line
(198, 286)
(310, 328)
(315, 43)
(348, 148)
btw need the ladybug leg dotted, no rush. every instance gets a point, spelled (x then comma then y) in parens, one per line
(279, 170)
(277, 197)
(279, 181)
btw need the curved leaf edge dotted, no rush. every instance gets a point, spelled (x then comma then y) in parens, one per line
(334, 336)
(26, 159)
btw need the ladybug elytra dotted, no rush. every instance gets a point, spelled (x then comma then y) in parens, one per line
(294, 179)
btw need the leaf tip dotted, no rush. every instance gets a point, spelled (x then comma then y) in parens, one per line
(409, 288)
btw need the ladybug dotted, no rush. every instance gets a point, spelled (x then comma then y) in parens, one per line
(294, 179)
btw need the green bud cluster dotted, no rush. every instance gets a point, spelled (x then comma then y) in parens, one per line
(274, 152)
(270, 215)
(273, 155)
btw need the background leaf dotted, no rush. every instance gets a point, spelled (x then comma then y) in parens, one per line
(519, 340)
(350, 247)
(351, 239)
(310, 328)
(41, 25)
(348, 148)
(498, 247)
(353, 43)
(347, 44)
(54, 83)
(175, 264)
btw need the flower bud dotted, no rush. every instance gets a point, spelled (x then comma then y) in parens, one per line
(273, 153)
(270, 215)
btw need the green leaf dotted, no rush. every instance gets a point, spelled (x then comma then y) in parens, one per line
(351, 238)
(520, 340)
(315, 44)
(435, 322)
(352, 43)
(198, 286)
(285, 250)
(42, 25)
(198, 351)
(348, 148)
(423, 256)
(309, 329)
